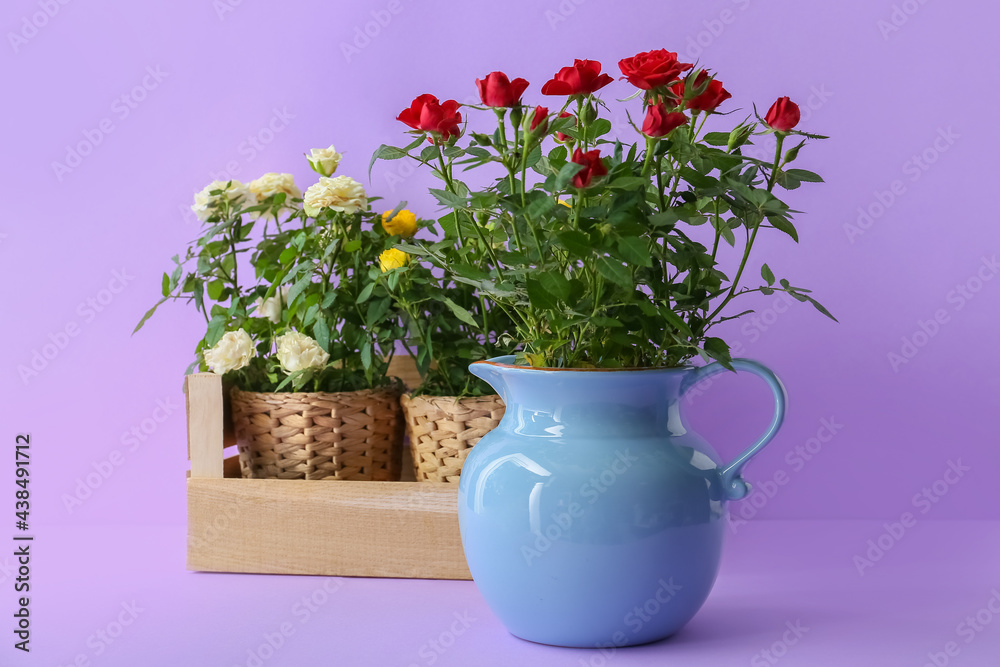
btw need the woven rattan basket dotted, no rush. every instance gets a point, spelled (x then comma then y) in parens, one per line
(345, 435)
(443, 429)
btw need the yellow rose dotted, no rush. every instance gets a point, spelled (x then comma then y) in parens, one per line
(393, 259)
(404, 224)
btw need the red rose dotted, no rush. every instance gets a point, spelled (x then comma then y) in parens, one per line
(539, 119)
(497, 91)
(425, 113)
(652, 69)
(583, 78)
(592, 166)
(559, 135)
(783, 115)
(709, 100)
(660, 122)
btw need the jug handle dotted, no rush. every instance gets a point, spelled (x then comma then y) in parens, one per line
(732, 481)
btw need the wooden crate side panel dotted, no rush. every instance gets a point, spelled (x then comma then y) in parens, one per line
(334, 528)
(203, 400)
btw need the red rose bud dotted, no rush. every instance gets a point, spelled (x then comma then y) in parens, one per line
(660, 122)
(497, 91)
(592, 166)
(537, 120)
(559, 135)
(427, 115)
(652, 69)
(583, 78)
(783, 115)
(709, 99)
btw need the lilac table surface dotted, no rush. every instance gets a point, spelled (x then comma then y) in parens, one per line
(789, 593)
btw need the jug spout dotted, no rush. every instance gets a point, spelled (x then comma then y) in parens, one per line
(492, 373)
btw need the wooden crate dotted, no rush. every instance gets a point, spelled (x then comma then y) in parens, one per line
(403, 529)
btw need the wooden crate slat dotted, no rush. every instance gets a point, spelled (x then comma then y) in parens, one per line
(364, 529)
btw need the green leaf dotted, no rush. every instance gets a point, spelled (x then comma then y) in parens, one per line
(718, 350)
(366, 354)
(821, 308)
(366, 292)
(635, 250)
(385, 152)
(613, 270)
(627, 182)
(540, 297)
(321, 332)
(555, 284)
(165, 287)
(460, 312)
(149, 313)
(717, 138)
(377, 311)
(576, 242)
(780, 223)
(215, 289)
(678, 322)
(540, 207)
(766, 274)
(804, 176)
(353, 245)
(216, 327)
(449, 199)
(298, 287)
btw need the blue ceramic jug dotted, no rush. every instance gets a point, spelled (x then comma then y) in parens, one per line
(593, 515)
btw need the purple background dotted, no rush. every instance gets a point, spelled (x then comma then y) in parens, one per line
(909, 107)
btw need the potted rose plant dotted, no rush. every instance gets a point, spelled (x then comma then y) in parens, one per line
(279, 277)
(448, 327)
(605, 252)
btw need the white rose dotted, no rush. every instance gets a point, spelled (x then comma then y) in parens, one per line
(269, 308)
(273, 183)
(324, 161)
(205, 204)
(233, 351)
(342, 193)
(297, 351)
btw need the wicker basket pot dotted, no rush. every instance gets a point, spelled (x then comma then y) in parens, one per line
(443, 429)
(354, 435)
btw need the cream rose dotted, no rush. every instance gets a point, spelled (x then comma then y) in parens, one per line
(271, 306)
(205, 203)
(324, 161)
(233, 351)
(341, 193)
(297, 351)
(273, 183)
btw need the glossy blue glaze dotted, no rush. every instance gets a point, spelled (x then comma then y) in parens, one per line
(593, 515)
